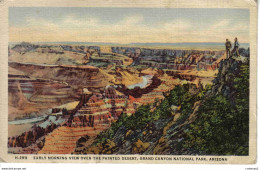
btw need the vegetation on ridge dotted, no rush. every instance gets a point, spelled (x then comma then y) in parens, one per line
(221, 126)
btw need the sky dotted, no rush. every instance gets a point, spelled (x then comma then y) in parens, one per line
(127, 25)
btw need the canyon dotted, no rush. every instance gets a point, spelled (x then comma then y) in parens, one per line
(61, 97)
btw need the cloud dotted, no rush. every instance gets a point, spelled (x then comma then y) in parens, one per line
(40, 23)
(131, 20)
(73, 21)
(225, 23)
(229, 25)
(177, 25)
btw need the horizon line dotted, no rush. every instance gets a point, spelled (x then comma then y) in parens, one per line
(115, 42)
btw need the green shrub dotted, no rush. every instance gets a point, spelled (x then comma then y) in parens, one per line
(222, 125)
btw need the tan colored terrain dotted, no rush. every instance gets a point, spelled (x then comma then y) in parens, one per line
(63, 139)
(39, 57)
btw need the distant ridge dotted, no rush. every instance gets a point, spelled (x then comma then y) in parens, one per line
(156, 44)
(186, 44)
(69, 42)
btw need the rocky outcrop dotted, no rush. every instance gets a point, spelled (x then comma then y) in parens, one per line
(30, 137)
(137, 92)
(107, 60)
(24, 47)
(171, 59)
(228, 70)
(88, 76)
